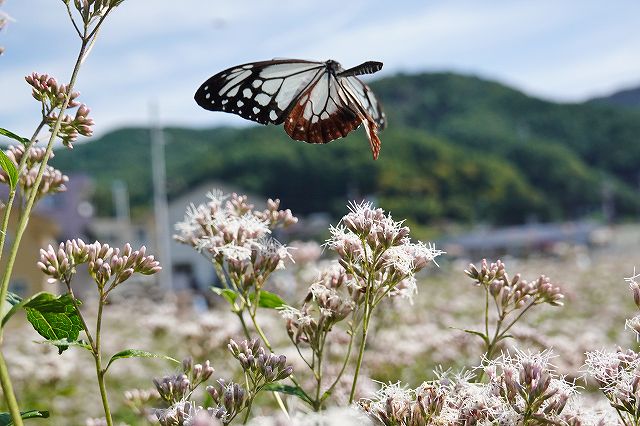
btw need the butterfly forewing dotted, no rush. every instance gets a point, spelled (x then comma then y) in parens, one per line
(259, 91)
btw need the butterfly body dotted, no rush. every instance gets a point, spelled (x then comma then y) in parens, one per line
(316, 101)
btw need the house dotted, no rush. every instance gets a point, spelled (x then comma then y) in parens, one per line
(55, 218)
(523, 240)
(26, 278)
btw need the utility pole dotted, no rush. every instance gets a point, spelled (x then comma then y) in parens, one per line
(160, 207)
(120, 194)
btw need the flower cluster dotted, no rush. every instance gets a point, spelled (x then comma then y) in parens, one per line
(53, 180)
(324, 306)
(72, 127)
(237, 237)
(394, 404)
(52, 96)
(529, 385)
(92, 10)
(230, 398)
(260, 369)
(104, 263)
(186, 413)
(523, 389)
(514, 293)
(176, 388)
(372, 246)
(260, 366)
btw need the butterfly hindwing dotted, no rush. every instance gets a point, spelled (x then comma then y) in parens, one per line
(320, 114)
(364, 96)
(259, 91)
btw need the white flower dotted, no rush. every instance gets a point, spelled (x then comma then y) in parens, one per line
(253, 226)
(234, 252)
(217, 197)
(400, 259)
(289, 313)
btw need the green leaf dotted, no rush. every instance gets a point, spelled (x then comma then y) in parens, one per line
(289, 390)
(229, 295)
(10, 167)
(269, 300)
(8, 307)
(10, 134)
(5, 418)
(505, 336)
(65, 342)
(137, 353)
(476, 333)
(54, 317)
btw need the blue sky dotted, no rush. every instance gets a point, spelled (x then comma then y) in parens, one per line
(160, 50)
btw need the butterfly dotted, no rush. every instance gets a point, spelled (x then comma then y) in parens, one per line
(317, 101)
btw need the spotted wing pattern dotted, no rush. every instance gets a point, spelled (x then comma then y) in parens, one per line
(259, 91)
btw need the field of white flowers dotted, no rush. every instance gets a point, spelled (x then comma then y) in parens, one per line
(409, 340)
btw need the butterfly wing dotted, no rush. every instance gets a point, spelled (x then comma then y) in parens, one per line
(259, 91)
(321, 113)
(364, 96)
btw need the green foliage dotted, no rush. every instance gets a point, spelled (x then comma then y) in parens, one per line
(5, 418)
(457, 148)
(288, 390)
(137, 353)
(53, 317)
(11, 135)
(270, 300)
(10, 169)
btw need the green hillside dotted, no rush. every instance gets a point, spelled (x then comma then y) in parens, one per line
(457, 148)
(629, 98)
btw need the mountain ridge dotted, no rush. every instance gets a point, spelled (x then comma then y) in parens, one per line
(457, 148)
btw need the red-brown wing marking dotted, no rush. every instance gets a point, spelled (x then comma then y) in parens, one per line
(320, 114)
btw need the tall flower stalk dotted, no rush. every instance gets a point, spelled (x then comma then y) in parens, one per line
(238, 241)
(260, 369)
(512, 299)
(108, 267)
(87, 18)
(377, 251)
(330, 300)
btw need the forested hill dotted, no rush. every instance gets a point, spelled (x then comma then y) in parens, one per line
(457, 148)
(629, 98)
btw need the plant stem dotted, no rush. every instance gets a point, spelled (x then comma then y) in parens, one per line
(9, 395)
(259, 330)
(246, 416)
(486, 311)
(363, 342)
(327, 393)
(24, 217)
(98, 359)
(12, 194)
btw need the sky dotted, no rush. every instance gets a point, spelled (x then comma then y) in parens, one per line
(160, 51)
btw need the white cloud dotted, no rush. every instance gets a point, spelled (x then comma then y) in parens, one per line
(161, 50)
